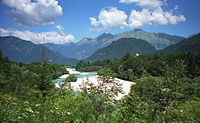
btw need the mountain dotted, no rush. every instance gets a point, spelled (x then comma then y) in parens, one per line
(191, 44)
(84, 48)
(119, 48)
(19, 50)
(66, 50)
(158, 40)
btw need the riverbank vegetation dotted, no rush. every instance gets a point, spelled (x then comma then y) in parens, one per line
(167, 89)
(71, 78)
(167, 86)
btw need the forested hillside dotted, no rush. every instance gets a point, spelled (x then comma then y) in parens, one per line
(167, 90)
(19, 50)
(120, 47)
(191, 44)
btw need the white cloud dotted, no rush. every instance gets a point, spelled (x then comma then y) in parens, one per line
(94, 22)
(60, 28)
(146, 4)
(138, 19)
(109, 18)
(50, 37)
(153, 17)
(37, 13)
(151, 14)
(174, 19)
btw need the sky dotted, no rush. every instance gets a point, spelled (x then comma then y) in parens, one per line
(63, 21)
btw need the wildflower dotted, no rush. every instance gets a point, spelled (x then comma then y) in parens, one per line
(29, 110)
(37, 105)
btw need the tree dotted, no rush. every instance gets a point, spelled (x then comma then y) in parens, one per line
(157, 65)
(66, 83)
(80, 65)
(132, 109)
(45, 84)
(71, 78)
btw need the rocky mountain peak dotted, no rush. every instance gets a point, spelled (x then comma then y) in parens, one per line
(137, 30)
(105, 36)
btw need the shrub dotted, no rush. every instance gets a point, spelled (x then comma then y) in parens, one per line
(71, 78)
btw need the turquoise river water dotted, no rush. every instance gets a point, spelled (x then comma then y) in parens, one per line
(78, 76)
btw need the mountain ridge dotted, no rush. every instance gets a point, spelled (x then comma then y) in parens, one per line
(190, 44)
(19, 50)
(120, 47)
(86, 46)
(158, 40)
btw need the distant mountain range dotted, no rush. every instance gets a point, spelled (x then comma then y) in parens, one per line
(105, 46)
(19, 50)
(191, 44)
(119, 48)
(85, 47)
(158, 40)
(132, 45)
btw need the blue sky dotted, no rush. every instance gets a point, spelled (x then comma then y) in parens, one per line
(71, 20)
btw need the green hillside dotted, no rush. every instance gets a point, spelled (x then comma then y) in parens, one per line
(19, 50)
(120, 47)
(191, 44)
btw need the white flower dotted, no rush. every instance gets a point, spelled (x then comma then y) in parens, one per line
(37, 105)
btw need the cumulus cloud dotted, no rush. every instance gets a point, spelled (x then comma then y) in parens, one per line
(109, 18)
(33, 13)
(155, 17)
(152, 13)
(94, 22)
(50, 37)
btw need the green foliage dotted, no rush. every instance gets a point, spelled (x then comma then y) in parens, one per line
(164, 96)
(132, 109)
(71, 78)
(167, 90)
(132, 68)
(190, 111)
(87, 67)
(106, 73)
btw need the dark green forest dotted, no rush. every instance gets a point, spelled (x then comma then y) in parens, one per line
(19, 50)
(167, 89)
(191, 44)
(167, 86)
(119, 48)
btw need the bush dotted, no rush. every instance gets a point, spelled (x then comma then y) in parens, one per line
(71, 78)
